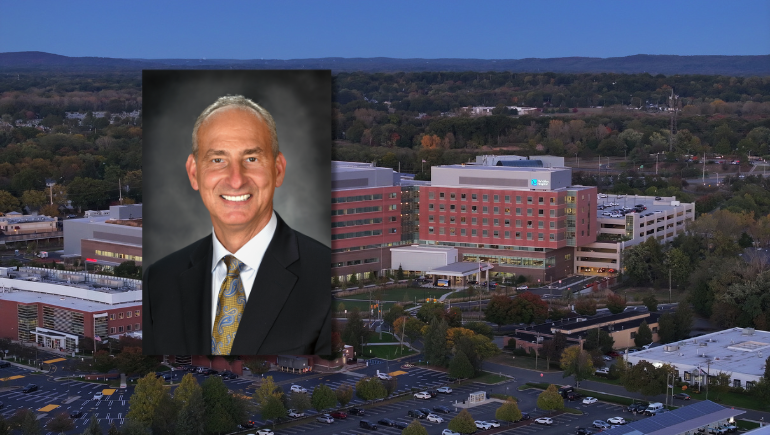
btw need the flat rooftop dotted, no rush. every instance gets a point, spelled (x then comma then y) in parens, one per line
(653, 205)
(66, 302)
(506, 168)
(685, 419)
(741, 350)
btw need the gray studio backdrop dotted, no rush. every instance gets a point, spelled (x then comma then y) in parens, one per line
(300, 102)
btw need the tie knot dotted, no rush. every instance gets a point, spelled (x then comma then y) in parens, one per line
(233, 265)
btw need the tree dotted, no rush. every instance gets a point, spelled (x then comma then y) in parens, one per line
(683, 318)
(8, 202)
(576, 362)
(435, 343)
(498, 310)
(323, 397)
(721, 384)
(461, 367)
(165, 416)
(33, 198)
(667, 328)
(553, 348)
(355, 331)
(370, 389)
(145, 400)
(395, 312)
(128, 269)
(599, 339)
(93, 427)
(400, 273)
(415, 428)
(411, 327)
(192, 415)
(344, 394)
(299, 401)
(49, 210)
(88, 193)
(585, 306)
(463, 423)
(187, 387)
(431, 310)
(528, 308)
(113, 430)
(615, 304)
(651, 302)
(643, 335)
(646, 379)
(508, 411)
(218, 405)
(257, 366)
(131, 360)
(133, 427)
(5, 428)
(103, 362)
(550, 399)
(480, 328)
(273, 409)
(391, 385)
(61, 423)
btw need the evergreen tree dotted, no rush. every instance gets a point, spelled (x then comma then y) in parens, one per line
(5, 428)
(461, 367)
(113, 430)
(651, 302)
(192, 420)
(145, 400)
(508, 411)
(643, 335)
(434, 344)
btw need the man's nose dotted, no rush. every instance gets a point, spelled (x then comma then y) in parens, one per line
(236, 177)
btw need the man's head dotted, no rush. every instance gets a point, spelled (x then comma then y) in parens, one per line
(236, 166)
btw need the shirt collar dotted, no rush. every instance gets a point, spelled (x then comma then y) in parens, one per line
(252, 252)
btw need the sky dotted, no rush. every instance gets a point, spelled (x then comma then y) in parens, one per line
(510, 29)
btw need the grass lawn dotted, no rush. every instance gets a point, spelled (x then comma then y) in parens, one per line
(363, 306)
(388, 351)
(404, 294)
(523, 362)
(490, 378)
(387, 337)
(741, 400)
(746, 425)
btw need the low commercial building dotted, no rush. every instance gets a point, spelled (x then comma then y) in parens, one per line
(739, 352)
(621, 327)
(109, 238)
(686, 420)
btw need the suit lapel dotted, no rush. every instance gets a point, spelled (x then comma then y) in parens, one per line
(272, 287)
(195, 297)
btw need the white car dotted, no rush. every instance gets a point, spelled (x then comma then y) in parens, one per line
(544, 420)
(494, 423)
(445, 390)
(422, 395)
(98, 396)
(265, 432)
(433, 418)
(326, 418)
(383, 376)
(602, 195)
(589, 400)
(298, 389)
(607, 358)
(616, 420)
(483, 425)
(522, 287)
(449, 432)
(295, 414)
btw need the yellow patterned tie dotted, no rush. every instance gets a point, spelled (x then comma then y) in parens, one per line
(232, 301)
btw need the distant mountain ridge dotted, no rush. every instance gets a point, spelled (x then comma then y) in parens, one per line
(640, 63)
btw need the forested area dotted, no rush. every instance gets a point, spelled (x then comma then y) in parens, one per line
(89, 157)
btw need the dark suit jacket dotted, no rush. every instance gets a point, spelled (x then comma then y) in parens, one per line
(288, 310)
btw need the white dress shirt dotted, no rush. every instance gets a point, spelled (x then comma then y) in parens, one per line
(250, 255)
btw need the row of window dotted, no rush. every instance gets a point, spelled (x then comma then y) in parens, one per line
(496, 222)
(356, 262)
(119, 329)
(495, 198)
(359, 198)
(356, 210)
(362, 234)
(127, 315)
(538, 263)
(519, 235)
(360, 222)
(126, 257)
(496, 210)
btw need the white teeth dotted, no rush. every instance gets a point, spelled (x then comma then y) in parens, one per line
(237, 198)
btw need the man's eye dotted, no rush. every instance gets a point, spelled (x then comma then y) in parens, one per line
(216, 160)
(251, 159)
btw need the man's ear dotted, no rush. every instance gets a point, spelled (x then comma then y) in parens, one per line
(192, 171)
(280, 169)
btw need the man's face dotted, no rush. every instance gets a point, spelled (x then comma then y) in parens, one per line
(236, 171)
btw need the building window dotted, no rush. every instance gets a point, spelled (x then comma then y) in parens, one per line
(120, 315)
(553, 213)
(452, 207)
(518, 211)
(112, 316)
(462, 231)
(654, 329)
(128, 327)
(552, 237)
(452, 195)
(441, 219)
(451, 219)
(736, 383)
(462, 196)
(529, 200)
(497, 210)
(473, 209)
(518, 223)
(507, 222)
(497, 222)
(633, 335)
(431, 195)
(128, 314)
(518, 199)
(392, 195)
(553, 201)
(112, 330)
(508, 199)
(687, 377)
(529, 212)
(136, 313)
(393, 230)
(540, 225)
(485, 209)
(518, 235)
(552, 225)
(529, 224)
(749, 385)
(430, 230)
(496, 233)
(441, 195)
(485, 233)
(507, 234)
(485, 198)
(441, 207)
(474, 221)
(507, 210)
(393, 219)
(473, 233)
(473, 196)
(540, 200)
(430, 207)
(462, 208)
(441, 231)
(120, 329)
(529, 236)
(462, 219)
(430, 218)
(540, 236)
(485, 221)
(497, 198)
(541, 212)
(136, 326)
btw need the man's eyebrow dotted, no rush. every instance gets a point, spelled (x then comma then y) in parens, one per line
(251, 151)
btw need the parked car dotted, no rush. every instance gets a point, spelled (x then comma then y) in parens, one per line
(522, 287)
(356, 411)
(433, 418)
(247, 425)
(483, 425)
(616, 420)
(604, 371)
(30, 388)
(387, 422)
(544, 420)
(682, 396)
(444, 390)
(442, 409)
(366, 424)
(607, 358)
(407, 366)
(76, 414)
(295, 414)
(524, 416)
(4, 364)
(400, 425)
(98, 396)
(414, 413)
(425, 411)
(265, 432)
(635, 408)
(326, 418)
(573, 395)
(494, 423)
(228, 375)
(422, 395)
(339, 415)
(449, 432)
(601, 424)
(298, 389)
(589, 400)
(583, 431)
(384, 376)
(613, 354)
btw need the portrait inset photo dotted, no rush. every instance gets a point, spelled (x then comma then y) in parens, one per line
(237, 212)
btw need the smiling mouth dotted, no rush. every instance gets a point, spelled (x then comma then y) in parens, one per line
(239, 198)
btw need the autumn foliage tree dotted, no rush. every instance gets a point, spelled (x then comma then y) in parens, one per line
(615, 304)
(550, 399)
(585, 306)
(528, 308)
